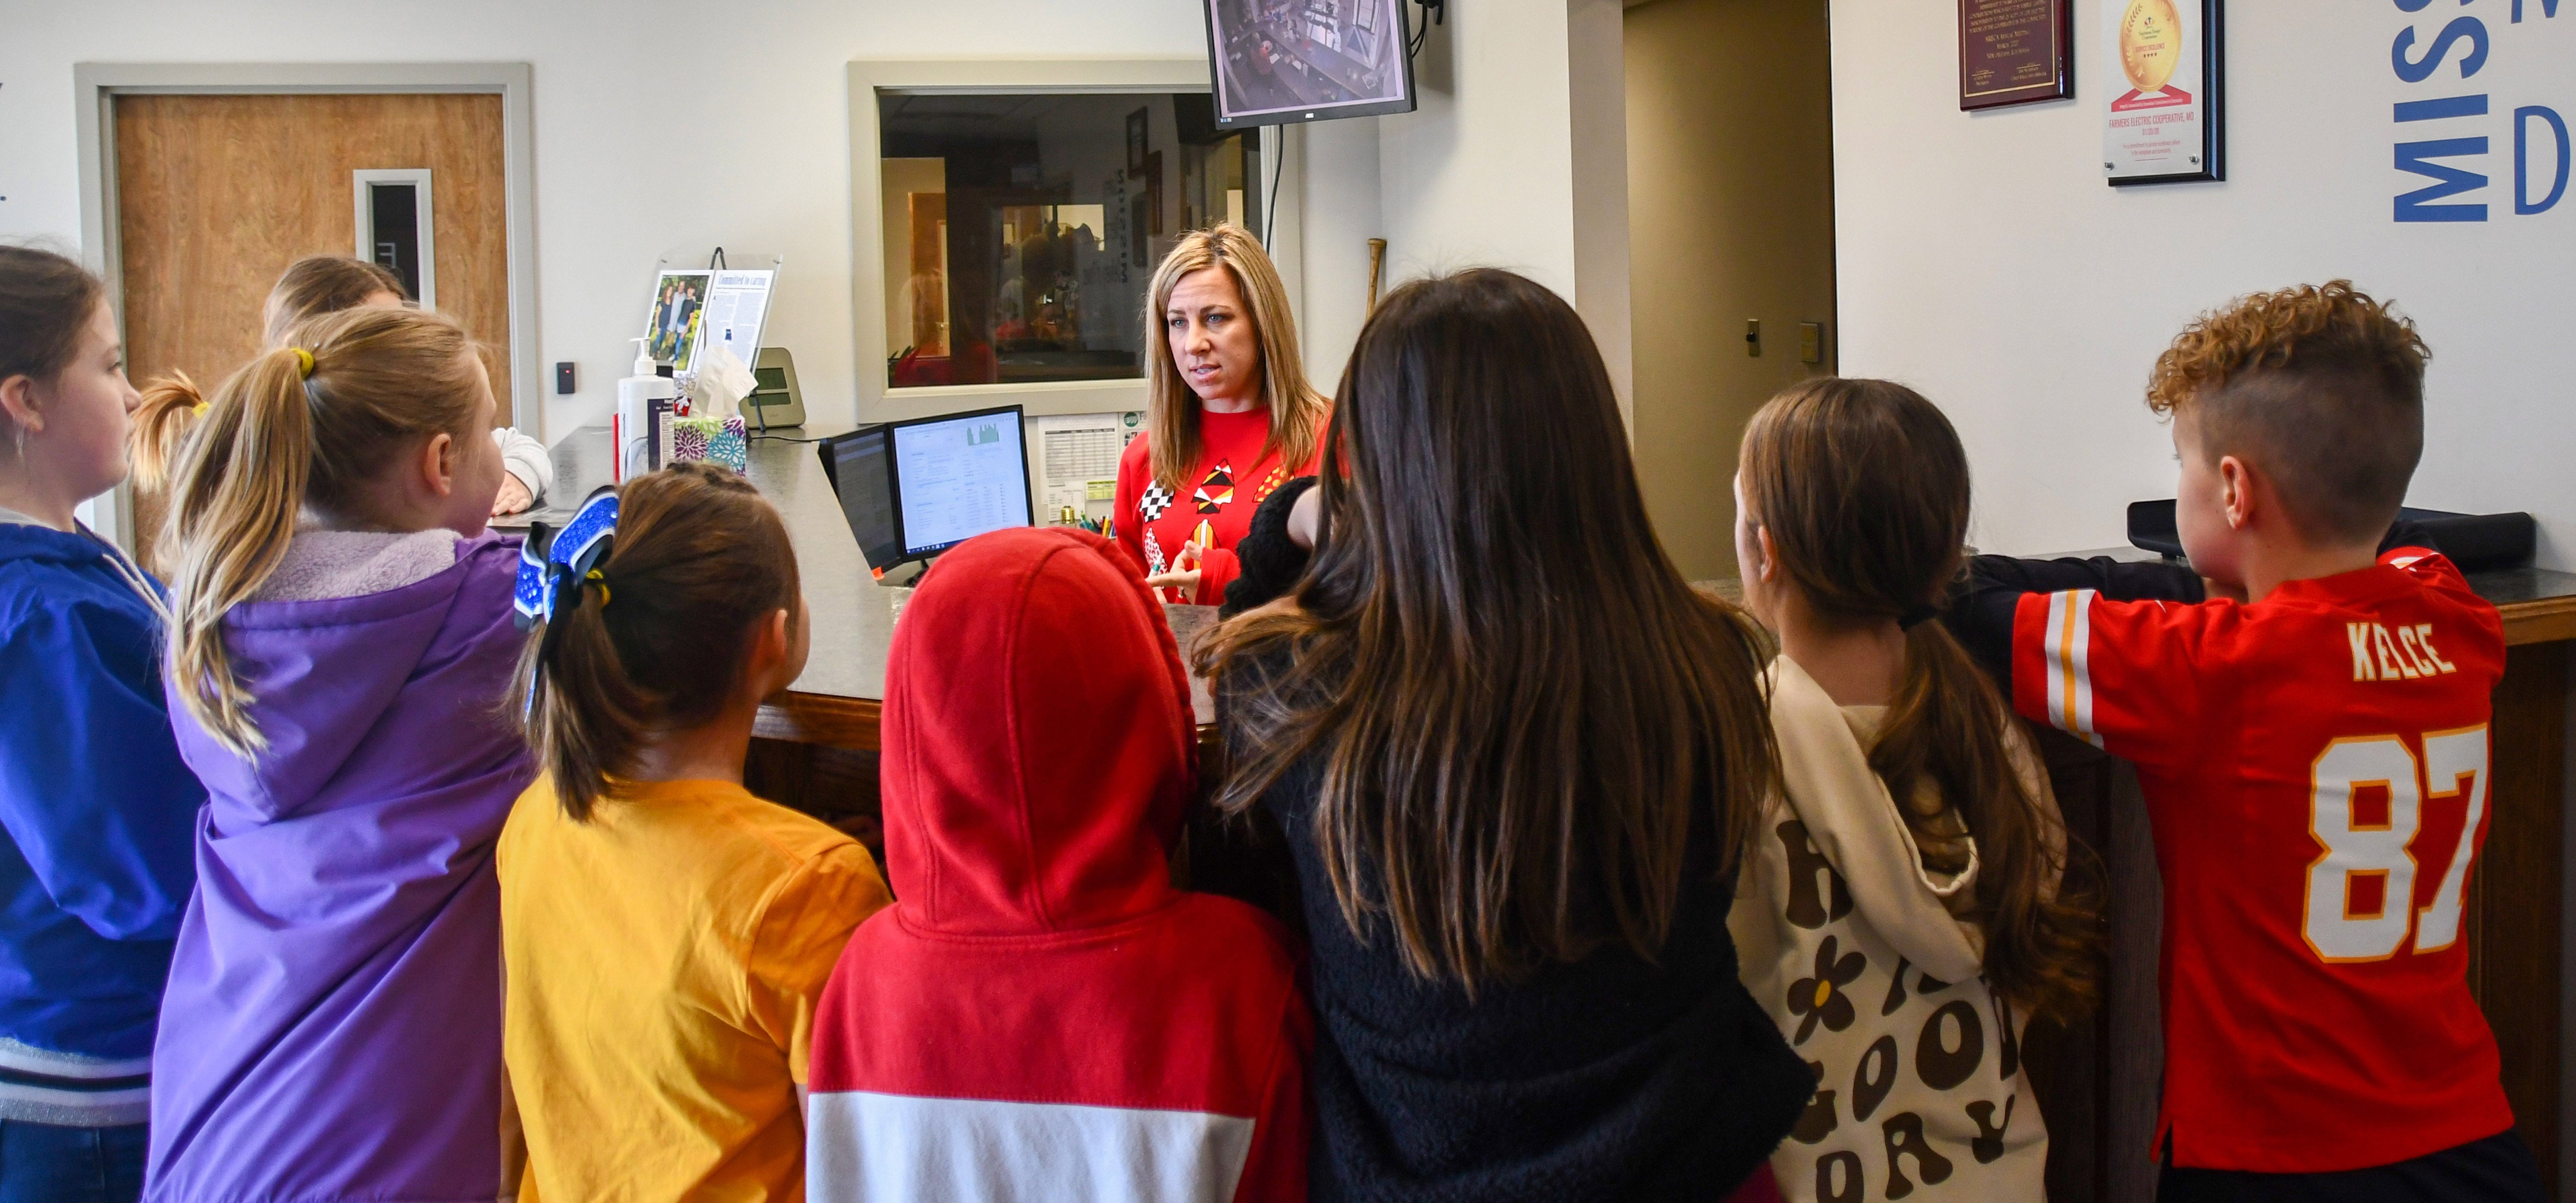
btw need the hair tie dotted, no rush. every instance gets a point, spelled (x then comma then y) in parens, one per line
(200, 408)
(1918, 616)
(595, 575)
(303, 362)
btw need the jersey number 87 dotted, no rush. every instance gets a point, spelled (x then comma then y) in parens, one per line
(2336, 926)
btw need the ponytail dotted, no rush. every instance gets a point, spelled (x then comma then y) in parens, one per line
(299, 428)
(1863, 487)
(656, 642)
(1946, 753)
(161, 427)
(237, 499)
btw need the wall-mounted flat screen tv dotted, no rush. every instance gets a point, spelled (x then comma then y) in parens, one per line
(1275, 62)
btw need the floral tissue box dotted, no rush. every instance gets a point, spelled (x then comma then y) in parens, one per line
(717, 440)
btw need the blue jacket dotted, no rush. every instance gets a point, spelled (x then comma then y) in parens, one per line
(98, 815)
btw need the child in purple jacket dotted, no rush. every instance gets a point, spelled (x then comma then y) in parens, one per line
(340, 641)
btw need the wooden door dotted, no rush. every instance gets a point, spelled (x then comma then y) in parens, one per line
(1730, 219)
(217, 194)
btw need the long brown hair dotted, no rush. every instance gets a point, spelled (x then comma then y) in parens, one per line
(1172, 410)
(1531, 726)
(1862, 486)
(275, 442)
(652, 646)
(320, 284)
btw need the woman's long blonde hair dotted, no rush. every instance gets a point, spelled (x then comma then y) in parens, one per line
(275, 442)
(1297, 411)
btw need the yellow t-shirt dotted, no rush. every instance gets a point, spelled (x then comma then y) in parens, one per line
(664, 963)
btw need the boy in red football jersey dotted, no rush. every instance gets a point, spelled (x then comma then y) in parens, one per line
(2311, 736)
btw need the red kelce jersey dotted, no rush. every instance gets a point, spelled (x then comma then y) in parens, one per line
(2315, 767)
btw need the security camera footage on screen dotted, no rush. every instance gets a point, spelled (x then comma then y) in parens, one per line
(1279, 61)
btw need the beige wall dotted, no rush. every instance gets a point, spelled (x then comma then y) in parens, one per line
(1730, 201)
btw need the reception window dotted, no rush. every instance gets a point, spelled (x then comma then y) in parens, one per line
(1021, 231)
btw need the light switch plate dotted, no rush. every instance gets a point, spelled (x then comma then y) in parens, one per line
(1753, 337)
(1811, 342)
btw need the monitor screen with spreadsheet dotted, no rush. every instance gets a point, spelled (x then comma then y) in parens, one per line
(914, 489)
(958, 476)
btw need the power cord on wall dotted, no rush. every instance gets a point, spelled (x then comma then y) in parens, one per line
(1434, 12)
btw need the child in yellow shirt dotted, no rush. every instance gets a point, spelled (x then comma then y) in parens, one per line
(665, 933)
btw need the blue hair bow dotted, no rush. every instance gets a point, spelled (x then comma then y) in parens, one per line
(550, 558)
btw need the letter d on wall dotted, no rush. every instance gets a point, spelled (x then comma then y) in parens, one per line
(2522, 202)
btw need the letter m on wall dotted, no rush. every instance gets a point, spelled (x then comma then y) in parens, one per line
(2418, 157)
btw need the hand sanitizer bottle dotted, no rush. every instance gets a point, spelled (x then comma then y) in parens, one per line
(631, 428)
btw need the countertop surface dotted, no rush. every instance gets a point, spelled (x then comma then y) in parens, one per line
(2538, 604)
(854, 616)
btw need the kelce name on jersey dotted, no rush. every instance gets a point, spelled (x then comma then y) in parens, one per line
(2378, 657)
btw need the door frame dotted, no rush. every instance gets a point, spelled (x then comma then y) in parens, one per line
(95, 87)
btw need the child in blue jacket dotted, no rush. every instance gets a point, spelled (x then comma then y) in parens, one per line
(97, 812)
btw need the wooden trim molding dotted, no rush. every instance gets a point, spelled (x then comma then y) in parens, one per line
(2548, 620)
(819, 718)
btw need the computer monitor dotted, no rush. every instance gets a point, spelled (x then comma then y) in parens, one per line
(913, 489)
(959, 476)
(861, 466)
(1276, 64)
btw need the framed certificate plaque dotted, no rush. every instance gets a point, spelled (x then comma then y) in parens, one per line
(2015, 52)
(2163, 113)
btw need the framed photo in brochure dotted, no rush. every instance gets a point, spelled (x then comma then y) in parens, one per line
(2163, 108)
(2015, 52)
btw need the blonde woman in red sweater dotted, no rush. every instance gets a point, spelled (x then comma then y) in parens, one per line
(1230, 416)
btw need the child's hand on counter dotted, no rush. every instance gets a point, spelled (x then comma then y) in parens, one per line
(513, 497)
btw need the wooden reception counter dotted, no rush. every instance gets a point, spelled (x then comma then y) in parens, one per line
(817, 743)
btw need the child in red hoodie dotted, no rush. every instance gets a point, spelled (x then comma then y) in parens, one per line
(1040, 1014)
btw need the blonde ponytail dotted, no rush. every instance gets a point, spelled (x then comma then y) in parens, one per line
(280, 438)
(161, 426)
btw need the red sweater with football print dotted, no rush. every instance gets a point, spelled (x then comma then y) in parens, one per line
(1040, 1015)
(2315, 766)
(1215, 506)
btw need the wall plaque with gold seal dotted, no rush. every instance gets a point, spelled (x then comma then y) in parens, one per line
(2015, 52)
(2162, 117)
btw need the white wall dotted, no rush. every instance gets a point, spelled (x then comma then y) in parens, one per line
(668, 128)
(661, 127)
(1487, 171)
(1982, 258)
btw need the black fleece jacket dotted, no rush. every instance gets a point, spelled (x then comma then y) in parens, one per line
(1609, 1078)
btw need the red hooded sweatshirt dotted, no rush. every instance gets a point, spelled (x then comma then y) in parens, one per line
(1040, 1014)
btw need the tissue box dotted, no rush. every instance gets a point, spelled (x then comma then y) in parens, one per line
(717, 440)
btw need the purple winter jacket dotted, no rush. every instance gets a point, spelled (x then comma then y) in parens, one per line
(332, 1029)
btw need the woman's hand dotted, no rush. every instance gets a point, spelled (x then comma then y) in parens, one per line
(1184, 573)
(1306, 518)
(513, 497)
